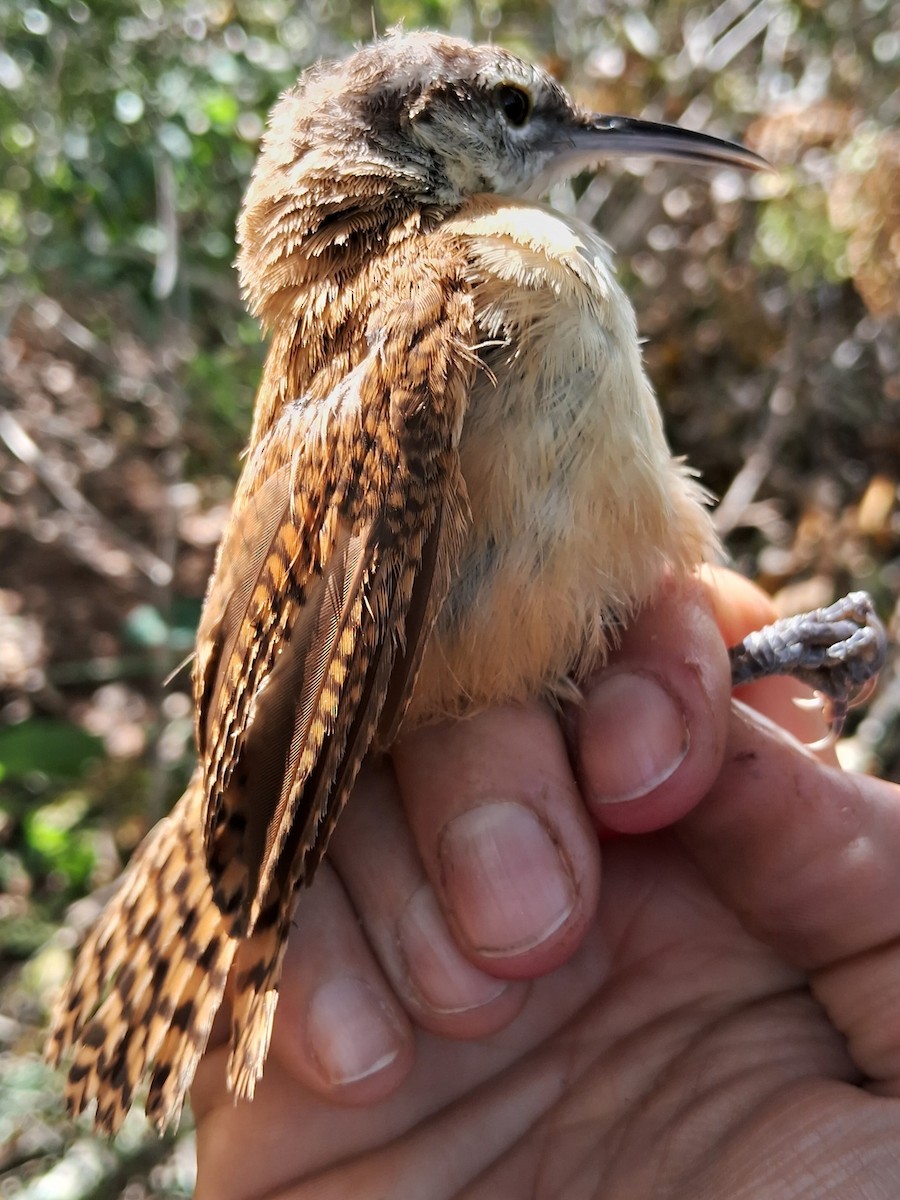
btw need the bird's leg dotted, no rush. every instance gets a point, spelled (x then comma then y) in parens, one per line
(836, 650)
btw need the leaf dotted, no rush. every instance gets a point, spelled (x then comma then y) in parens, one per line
(56, 748)
(53, 836)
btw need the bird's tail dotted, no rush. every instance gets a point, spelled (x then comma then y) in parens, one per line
(148, 980)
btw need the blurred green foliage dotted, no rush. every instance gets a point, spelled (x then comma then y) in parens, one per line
(96, 98)
(51, 748)
(47, 849)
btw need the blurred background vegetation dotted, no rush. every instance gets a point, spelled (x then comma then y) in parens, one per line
(127, 372)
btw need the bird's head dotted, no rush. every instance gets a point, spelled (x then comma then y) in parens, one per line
(427, 120)
(469, 119)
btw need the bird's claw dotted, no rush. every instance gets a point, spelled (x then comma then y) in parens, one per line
(838, 651)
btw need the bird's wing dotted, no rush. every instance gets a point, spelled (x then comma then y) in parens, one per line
(347, 523)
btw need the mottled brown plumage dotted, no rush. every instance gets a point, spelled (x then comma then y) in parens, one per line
(457, 488)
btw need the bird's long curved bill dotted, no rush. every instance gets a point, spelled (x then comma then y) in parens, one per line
(601, 137)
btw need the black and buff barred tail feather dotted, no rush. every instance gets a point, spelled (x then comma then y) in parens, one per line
(148, 980)
(257, 966)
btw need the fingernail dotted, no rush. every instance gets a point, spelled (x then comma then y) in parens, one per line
(638, 737)
(351, 1034)
(510, 886)
(438, 972)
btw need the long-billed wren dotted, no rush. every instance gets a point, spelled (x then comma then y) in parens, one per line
(457, 489)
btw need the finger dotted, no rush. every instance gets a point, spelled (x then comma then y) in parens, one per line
(503, 836)
(338, 1029)
(460, 1107)
(806, 855)
(650, 733)
(740, 607)
(374, 854)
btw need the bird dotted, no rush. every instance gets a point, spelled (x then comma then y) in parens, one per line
(457, 492)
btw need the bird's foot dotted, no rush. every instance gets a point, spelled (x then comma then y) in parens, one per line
(838, 651)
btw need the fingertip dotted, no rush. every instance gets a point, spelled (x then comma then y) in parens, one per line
(513, 886)
(646, 727)
(374, 854)
(447, 994)
(503, 836)
(358, 1042)
(737, 605)
(650, 734)
(339, 1029)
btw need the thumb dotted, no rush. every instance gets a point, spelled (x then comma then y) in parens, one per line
(806, 855)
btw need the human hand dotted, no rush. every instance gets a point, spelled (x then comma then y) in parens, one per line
(683, 1040)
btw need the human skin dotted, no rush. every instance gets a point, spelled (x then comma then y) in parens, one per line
(483, 998)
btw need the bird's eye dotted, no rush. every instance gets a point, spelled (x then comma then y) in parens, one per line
(515, 103)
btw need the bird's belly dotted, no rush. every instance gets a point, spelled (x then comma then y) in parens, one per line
(577, 505)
